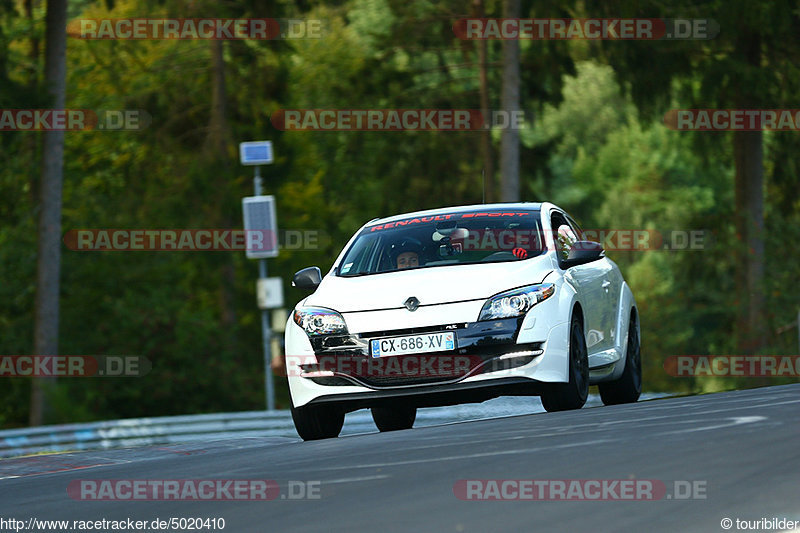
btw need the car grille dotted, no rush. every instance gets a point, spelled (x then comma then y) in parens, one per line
(488, 361)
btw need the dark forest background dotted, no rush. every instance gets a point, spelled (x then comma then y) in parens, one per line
(595, 144)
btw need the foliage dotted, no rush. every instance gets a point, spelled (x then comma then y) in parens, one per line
(593, 146)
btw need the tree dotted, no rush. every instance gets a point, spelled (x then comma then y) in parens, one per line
(49, 244)
(487, 153)
(509, 140)
(743, 67)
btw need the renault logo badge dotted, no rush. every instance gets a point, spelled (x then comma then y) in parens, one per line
(411, 304)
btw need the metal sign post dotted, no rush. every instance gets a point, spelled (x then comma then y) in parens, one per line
(260, 211)
(266, 332)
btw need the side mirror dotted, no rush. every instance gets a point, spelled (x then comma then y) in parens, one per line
(308, 278)
(583, 252)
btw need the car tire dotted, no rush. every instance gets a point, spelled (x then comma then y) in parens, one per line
(316, 422)
(628, 387)
(394, 418)
(573, 394)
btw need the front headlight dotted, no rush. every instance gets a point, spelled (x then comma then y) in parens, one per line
(320, 321)
(515, 302)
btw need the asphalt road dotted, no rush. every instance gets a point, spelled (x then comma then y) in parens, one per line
(741, 448)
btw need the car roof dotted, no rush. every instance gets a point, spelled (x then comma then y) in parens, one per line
(526, 206)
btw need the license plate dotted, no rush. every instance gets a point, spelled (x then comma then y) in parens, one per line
(410, 344)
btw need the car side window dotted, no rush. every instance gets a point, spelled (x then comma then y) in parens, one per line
(576, 228)
(564, 235)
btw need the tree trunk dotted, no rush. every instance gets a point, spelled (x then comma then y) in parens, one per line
(217, 143)
(748, 155)
(49, 244)
(30, 142)
(509, 140)
(749, 197)
(218, 135)
(486, 134)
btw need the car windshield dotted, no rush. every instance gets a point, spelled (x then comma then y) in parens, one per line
(446, 239)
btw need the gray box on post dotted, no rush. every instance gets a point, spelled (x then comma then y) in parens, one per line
(261, 228)
(269, 293)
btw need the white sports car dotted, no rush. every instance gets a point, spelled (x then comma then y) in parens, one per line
(458, 305)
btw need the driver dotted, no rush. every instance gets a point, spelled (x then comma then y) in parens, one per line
(408, 260)
(406, 253)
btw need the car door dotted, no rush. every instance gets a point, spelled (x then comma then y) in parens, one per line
(608, 285)
(613, 287)
(587, 280)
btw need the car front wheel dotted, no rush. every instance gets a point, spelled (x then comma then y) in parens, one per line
(394, 418)
(573, 394)
(314, 422)
(628, 387)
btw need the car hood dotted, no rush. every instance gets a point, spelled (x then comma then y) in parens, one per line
(431, 285)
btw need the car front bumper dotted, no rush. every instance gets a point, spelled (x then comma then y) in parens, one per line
(512, 356)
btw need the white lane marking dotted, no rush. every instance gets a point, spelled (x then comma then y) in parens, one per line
(714, 411)
(461, 457)
(671, 418)
(446, 442)
(735, 422)
(453, 443)
(697, 403)
(352, 479)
